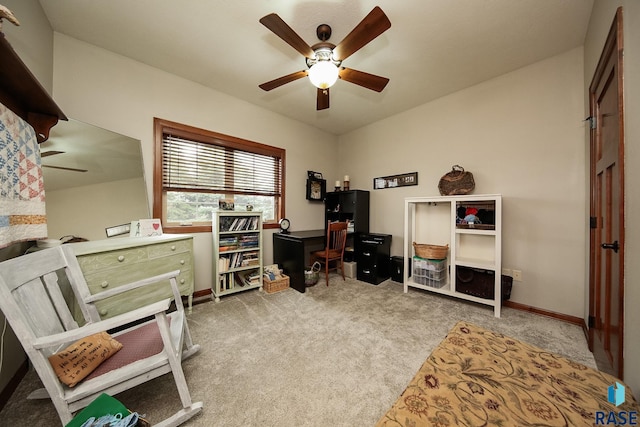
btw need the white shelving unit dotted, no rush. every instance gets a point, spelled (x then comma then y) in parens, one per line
(432, 220)
(237, 252)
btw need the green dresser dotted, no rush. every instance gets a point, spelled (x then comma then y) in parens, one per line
(114, 262)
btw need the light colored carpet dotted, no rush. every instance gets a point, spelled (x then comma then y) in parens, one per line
(334, 356)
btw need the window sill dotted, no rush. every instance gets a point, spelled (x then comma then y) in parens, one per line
(182, 229)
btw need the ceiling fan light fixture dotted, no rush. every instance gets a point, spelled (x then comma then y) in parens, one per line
(324, 59)
(323, 74)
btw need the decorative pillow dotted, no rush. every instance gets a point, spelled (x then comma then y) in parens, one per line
(78, 360)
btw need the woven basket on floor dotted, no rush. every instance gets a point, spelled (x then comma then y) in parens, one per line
(431, 251)
(271, 286)
(312, 275)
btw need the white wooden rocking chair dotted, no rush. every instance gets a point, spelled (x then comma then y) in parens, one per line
(32, 300)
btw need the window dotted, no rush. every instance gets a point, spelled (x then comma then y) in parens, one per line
(195, 168)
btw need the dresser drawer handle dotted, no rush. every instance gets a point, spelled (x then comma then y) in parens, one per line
(182, 281)
(181, 262)
(121, 258)
(366, 271)
(173, 247)
(366, 253)
(104, 284)
(104, 312)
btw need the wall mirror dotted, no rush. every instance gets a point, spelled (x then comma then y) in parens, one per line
(93, 180)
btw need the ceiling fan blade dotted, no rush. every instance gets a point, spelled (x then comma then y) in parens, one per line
(286, 33)
(322, 101)
(50, 153)
(283, 80)
(374, 24)
(65, 168)
(370, 81)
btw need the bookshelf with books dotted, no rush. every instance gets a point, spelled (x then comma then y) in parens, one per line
(237, 252)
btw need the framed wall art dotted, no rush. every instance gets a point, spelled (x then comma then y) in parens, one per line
(394, 181)
(316, 189)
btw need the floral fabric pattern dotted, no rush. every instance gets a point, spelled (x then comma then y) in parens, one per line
(476, 377)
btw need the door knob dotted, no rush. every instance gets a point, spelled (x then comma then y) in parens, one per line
(613, 246)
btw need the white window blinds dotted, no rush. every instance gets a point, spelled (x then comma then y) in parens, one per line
(218, 168)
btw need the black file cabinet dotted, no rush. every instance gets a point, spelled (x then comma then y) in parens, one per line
(373, 257)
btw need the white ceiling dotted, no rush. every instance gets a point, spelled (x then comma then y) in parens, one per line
(433, 48)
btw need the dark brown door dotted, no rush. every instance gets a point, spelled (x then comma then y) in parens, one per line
(606, 281)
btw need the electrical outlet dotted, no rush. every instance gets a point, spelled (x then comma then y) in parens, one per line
(517, 275)
(506, 272)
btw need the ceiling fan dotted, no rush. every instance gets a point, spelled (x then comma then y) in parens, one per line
(324, 59)
(53, 153)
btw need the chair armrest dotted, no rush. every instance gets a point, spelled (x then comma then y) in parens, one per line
(130, 286)
(103, 325)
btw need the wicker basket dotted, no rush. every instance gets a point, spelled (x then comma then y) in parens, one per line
(456, 182)
(271, 286)
(312, 275)
(431, 251)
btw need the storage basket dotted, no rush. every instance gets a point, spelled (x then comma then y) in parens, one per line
(481, 283)
(312, 275)
(430, 251)
(456, 182)
(271, 286)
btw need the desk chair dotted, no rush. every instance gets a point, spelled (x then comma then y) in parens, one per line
(334, 248)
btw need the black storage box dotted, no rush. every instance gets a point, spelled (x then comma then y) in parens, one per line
(397, 268)
(349, 254)
(480, 283)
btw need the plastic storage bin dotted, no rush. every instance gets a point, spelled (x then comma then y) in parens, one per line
(430, 272)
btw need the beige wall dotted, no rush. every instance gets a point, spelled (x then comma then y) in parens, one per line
(601, 19)
(86, 211)
(32, 40)
(116, 93)
(521, 135)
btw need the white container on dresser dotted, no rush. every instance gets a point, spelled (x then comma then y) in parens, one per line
(114, 262)
(237, 252)
(439, 220)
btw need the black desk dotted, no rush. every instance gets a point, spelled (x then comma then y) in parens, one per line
(291, 252)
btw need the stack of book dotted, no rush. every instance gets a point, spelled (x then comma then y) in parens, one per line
(243, 223)
(249, 258)
(223, 263)
(237, 260)
(228, 243)
(248, 278)
(248, 241)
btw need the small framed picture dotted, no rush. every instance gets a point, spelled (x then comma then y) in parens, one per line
(314, 175)
(226, 204)
(316, 189)
(117, 230)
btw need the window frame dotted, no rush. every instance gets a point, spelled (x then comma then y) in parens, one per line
(162, 126)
